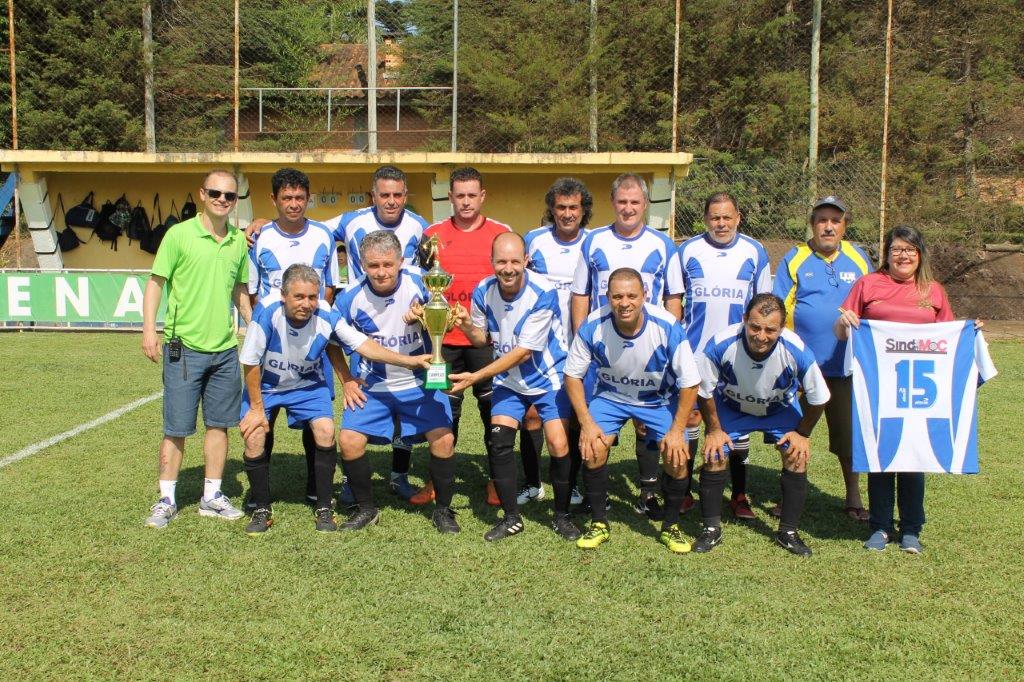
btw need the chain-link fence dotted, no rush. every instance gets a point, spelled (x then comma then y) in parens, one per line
(559, 76)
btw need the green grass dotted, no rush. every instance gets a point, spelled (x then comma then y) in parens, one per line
(88, 592)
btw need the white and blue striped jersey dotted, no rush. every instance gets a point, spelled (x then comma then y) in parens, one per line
(275, 250)
(915, 395)
(379, 316)
(603, 251)
(350, 228)
(292, 356)
(717, 281)
(557, 261)
(759, 387)
(531, 320)
(647, 369)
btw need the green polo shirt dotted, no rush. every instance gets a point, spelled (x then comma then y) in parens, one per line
(201, 274)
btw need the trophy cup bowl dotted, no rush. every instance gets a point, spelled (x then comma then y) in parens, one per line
(437, 319)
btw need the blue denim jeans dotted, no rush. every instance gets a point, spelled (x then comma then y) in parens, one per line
(216, 378)
(906, 490)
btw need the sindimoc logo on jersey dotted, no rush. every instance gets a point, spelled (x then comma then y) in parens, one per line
(917, 346)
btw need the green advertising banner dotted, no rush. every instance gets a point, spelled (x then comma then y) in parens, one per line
(101, 298)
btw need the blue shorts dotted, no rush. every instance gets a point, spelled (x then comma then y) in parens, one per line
(610, 415)
(418, 412)
(773, 426)
(303, 405)
(216, 378)
(550, 405)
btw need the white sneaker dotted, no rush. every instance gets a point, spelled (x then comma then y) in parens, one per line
(161, 513)
(220, 506)
(577, 497)
(530, 494)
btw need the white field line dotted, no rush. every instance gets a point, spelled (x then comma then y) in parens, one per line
(82, 428)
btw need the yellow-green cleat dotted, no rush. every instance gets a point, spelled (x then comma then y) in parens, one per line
(674, 539)
(597, 533)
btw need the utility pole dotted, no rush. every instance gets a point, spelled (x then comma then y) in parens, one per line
(812, 145)
(371, 76)
(237, 37)
(147, 61)
(885, 136)
(455, 75)
(593, 75)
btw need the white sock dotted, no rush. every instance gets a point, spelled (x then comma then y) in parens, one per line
(167, 489)
(211, 486)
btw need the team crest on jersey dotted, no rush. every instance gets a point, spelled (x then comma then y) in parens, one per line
(848, 277)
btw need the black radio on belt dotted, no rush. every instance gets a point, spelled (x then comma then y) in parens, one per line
(174, 349)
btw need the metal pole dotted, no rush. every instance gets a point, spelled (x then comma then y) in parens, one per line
(329, 105)
(237, 33)
(371, 75)
(14, 130)
(812, 145)
(593, 75)
(147, 60)
(398, 109)
(885, 134)
(455, 75)
(675, 93)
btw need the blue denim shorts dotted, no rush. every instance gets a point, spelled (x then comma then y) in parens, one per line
(214, 378)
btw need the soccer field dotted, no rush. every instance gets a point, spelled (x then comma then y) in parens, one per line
(87, 591)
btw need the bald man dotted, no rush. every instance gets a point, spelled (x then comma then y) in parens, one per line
(517, 311)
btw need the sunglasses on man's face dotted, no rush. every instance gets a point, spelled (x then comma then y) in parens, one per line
(217, 194)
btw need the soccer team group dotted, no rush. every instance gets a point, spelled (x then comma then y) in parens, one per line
(564, 335)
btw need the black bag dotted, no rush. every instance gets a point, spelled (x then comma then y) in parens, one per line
(67, 239)
(138, 225)
(83, 215)
(151, 242)
(107, 230)
(188, 209)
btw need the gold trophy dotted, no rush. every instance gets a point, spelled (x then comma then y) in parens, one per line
(437, 317)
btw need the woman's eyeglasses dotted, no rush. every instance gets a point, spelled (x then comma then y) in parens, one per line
(903, 251)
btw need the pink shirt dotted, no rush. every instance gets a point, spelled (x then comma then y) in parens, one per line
(877, 296)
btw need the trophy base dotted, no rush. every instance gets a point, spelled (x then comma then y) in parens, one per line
(437, 377)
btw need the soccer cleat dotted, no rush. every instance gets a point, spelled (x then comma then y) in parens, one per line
(595, 536)
(361, 519)
(688, 503)
(791, 541)
(401, 487)
(261, 521)
(878, 541)
(492, 495)
(910, 544)
(576, 498)
(673, 538)
(564, 526)
(511, 525)
(443, 519)
(424, 496)
(530, 494)
(220, 507)
(161, 513)
(708, 540)
(325, 522)
(740, 506)
(650, 506)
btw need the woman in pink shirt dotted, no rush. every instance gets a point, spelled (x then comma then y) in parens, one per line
(902, 290)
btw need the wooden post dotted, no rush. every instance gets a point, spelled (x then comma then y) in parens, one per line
(147, 61)
(885, 135)
(237, 36)
(675, 82)
(812, 142)
(592, 53)
(371, 77)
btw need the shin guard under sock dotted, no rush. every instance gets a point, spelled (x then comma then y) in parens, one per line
(309, 447)
(559, 470)
(358, 473)
(325, 462)
(503, 466)
(738, 467)
(596, 481)
(674, 490)
(712, 485)
(442, 473)
(648, 461)
(401, 458)
(794, 495)
(530, 445)
(258, 472)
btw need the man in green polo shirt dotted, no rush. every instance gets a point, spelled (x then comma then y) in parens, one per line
(203, 263)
